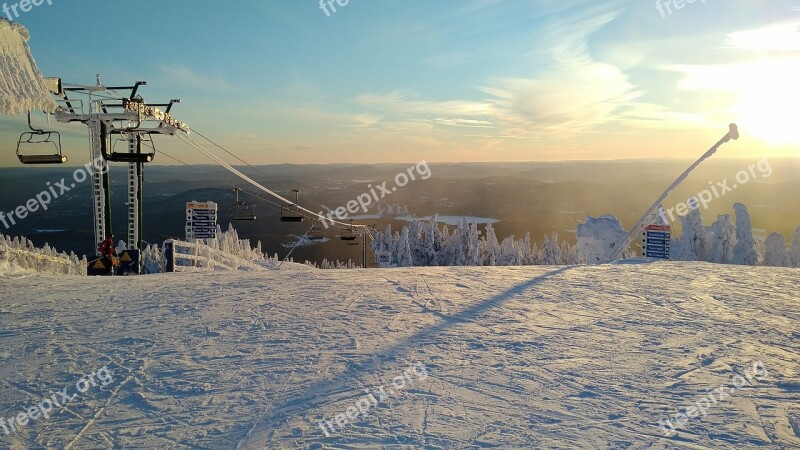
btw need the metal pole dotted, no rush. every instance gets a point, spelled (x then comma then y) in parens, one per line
(733, 133)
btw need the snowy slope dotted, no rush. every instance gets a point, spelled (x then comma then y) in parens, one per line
(533, 357)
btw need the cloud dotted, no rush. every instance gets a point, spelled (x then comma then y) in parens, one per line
(782, 36)
(186, 77)
(571, 94)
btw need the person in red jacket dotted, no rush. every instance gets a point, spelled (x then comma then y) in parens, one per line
(108, 249)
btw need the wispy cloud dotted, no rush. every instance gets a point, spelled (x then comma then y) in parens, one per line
(573, 94)
(783, 36)
(186, 77)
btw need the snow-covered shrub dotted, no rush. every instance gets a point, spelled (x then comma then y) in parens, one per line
(230, 243)
(795, 253)
(597, 238)
(776, 254)
(20, 252)
(153, 260)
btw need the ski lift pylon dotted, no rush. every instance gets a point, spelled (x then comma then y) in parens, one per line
(39, 137)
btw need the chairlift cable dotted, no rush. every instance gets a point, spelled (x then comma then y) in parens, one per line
(220, 179)
(241, 175)
(267, 177)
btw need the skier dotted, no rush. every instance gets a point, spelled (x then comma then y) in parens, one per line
(108, 249)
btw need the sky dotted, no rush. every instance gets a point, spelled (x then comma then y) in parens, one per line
(288, 81)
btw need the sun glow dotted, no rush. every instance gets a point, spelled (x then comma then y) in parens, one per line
(769, 106)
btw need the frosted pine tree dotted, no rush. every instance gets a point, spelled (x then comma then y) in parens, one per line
(776, 254)
(723, 241)
(536, 255)
(429, 231)
(696, 239)
(492, 253)
(474, 250)
(744, 253)
(444, 258)
(416, 242)
(404, 257)
(508, 252)
(457, 244)
(551, 252)
(794, 254)
(153, 260)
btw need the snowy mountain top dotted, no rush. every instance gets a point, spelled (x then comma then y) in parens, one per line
(517, 357)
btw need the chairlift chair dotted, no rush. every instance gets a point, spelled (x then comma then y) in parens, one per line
(40, 137)
(242, 211)
(291, 213)
(314, 234)
(349, 235)
(143, 141)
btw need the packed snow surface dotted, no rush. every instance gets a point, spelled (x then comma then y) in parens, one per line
(506, 357)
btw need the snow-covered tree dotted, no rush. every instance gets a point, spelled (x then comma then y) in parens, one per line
(795, 253)
(696, 240)
(597, 238)
(551, 252)
(491, 255)
(416, 242)
(429, 232)
(457, 248)
(509, 252)
(723, 241)
(744, 252)
(404, 257)
(153, 260)
(443, 257)
(776, 254)
(474, 253)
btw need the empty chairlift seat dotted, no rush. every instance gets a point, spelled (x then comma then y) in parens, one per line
(242, 211)
(144, 151)
(40, 147)
(291, 213)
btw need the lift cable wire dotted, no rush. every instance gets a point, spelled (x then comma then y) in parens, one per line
(267, 177)
(244, 177)
(253, 194)
(219, 179)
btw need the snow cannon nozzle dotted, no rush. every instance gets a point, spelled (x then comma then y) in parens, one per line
(734, 132)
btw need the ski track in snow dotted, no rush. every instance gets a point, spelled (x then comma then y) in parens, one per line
(519, 357)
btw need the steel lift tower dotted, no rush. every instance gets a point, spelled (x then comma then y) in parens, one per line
(116, 114)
